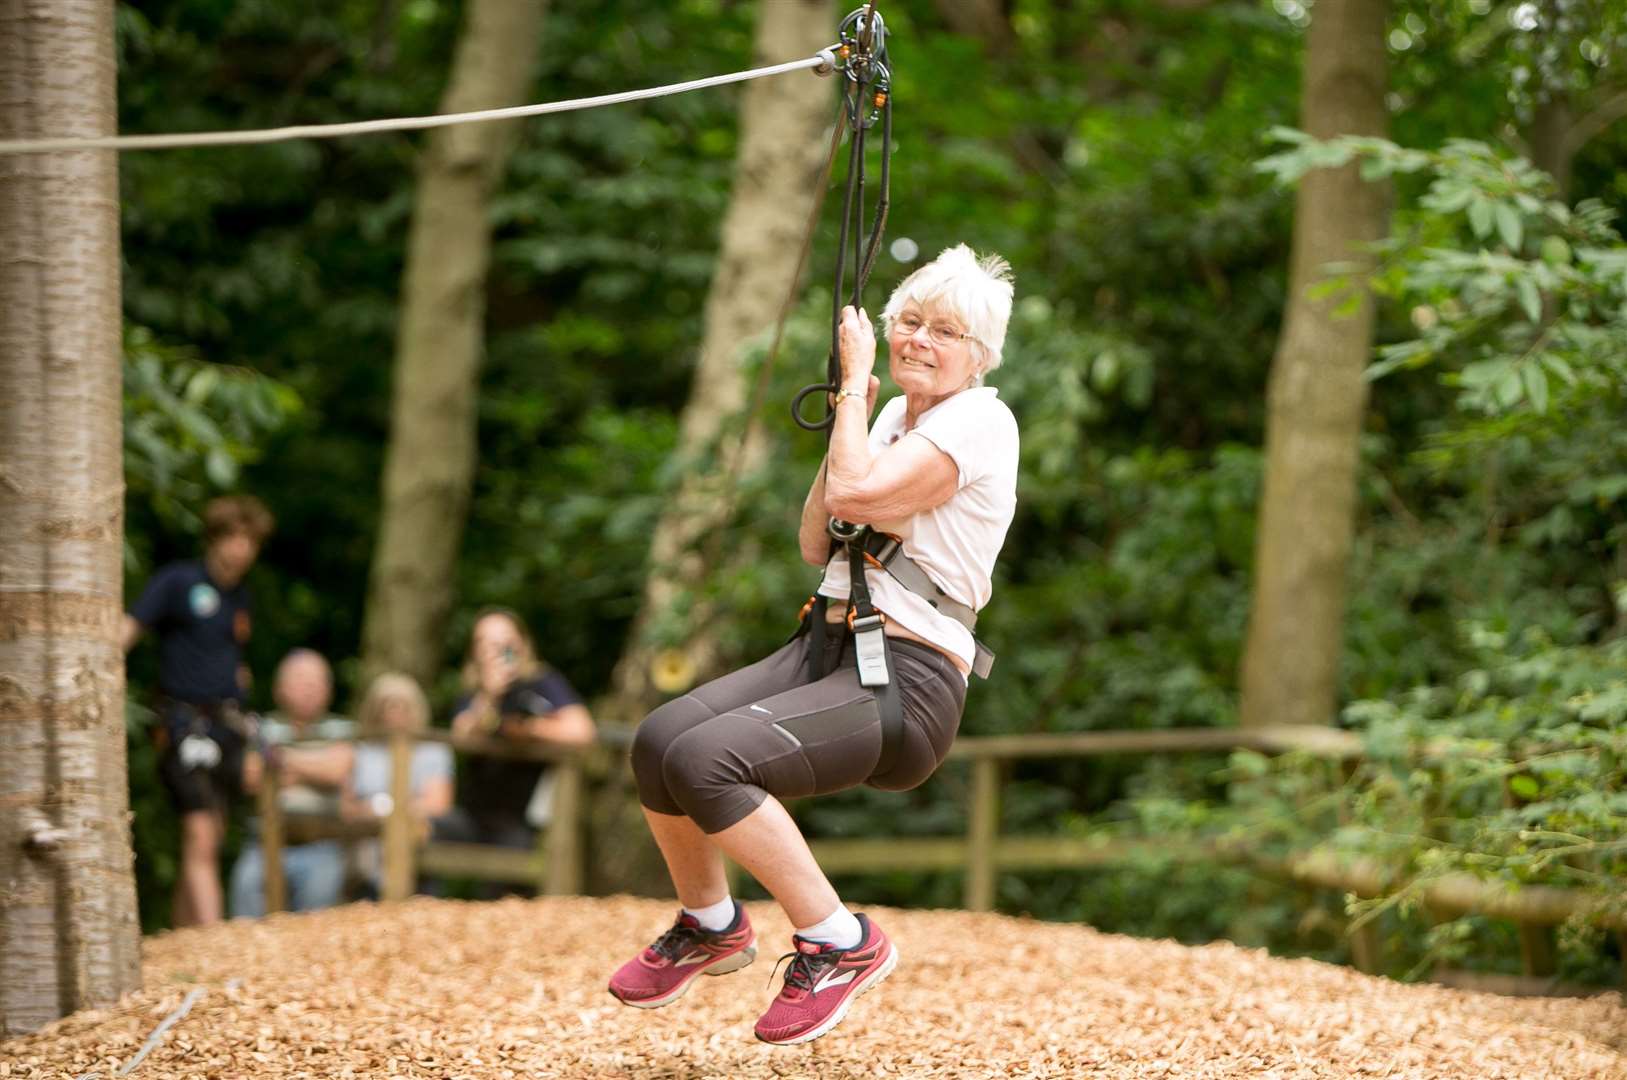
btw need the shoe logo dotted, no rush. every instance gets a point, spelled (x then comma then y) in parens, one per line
(831, 979)
(697, 957)
(762, 710)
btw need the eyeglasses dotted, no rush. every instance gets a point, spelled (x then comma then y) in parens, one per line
(940, 333)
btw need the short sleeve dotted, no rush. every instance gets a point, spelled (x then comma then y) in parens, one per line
(978, 435)
(432, 761)
(559, 690)
(157, 600)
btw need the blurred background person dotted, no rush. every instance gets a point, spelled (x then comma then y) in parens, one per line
(394, 705)
(199, 609)
(309, 776)
(510, 694)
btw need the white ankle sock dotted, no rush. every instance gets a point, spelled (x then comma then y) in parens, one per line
(840, 928)
(716, 916)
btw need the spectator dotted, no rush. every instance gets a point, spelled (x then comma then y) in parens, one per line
(200, 611)
(394, 704)
(310, 777)
(513, 695)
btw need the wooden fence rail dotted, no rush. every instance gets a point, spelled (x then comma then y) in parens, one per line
(555, 867)
(983, 853)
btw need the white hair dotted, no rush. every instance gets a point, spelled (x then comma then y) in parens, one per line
(959, 284)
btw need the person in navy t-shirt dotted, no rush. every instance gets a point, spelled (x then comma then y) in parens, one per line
(199, 609)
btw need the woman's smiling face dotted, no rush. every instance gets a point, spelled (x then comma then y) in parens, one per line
(929, 354)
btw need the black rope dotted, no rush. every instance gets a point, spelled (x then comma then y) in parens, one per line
(866, 97)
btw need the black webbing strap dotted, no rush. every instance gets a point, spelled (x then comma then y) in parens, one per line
(814, 621)
(875, 661)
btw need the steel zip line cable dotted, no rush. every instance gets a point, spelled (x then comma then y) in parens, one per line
(823, 62)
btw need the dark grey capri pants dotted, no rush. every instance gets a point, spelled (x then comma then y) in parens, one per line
(717, 752)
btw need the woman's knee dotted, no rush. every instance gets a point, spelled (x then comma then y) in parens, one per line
(708, 784)
(651, 743)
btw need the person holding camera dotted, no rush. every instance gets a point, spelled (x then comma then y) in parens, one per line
(510, 694)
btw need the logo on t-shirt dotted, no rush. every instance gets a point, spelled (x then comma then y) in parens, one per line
(203, 600)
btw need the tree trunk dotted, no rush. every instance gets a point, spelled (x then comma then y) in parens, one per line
(984, 19)
(1550, 140)
(68, 931)
(429, 464)
(782, 145)
(1317, 393)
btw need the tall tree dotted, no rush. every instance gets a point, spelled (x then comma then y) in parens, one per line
(68, 931)
(429, 465)
(1318, 393)
(782, 145)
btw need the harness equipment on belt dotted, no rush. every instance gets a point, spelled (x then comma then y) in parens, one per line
(862, 52)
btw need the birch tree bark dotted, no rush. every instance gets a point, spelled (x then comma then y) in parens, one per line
(1317, 392)
(68, 931)
(783, 139)
(429, 464)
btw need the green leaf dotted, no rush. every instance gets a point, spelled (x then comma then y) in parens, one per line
(1530, 299)
(1510, 386)
(202, 384)
(1524, 787)
(1509, 226)
(220, 467)
(1555, 251)
(1480, 213)
(1536, 386)
(1560, 367)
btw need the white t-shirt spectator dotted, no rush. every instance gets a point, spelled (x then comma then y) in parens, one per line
(371, 773)
(956, 542)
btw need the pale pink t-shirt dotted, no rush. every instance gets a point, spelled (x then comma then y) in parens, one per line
(957, 541)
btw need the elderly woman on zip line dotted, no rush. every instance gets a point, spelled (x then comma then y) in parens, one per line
(870, 691)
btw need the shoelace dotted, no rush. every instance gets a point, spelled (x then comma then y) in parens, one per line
(678, 938)
(805, 969)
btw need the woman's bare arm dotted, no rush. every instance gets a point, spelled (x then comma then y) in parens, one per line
(811, 535)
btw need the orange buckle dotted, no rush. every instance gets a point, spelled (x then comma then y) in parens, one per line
(803, 614)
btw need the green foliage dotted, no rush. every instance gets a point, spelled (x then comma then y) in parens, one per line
(191, 426)
(1516, 774)
(1535, 320)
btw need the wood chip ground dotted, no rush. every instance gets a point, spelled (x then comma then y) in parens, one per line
(515, 988)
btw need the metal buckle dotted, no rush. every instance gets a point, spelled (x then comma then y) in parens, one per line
(844, 531)
(870, 648)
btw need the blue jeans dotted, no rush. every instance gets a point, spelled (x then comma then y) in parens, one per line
(315, 874)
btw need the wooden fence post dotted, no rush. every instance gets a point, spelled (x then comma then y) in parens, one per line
(1539, 945)
(271, 835)
(982, 833)
(398, 839)
(564, 873)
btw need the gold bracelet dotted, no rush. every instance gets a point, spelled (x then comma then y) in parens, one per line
(844, 393)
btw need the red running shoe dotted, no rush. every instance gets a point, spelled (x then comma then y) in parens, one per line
(822, 983)
(661, 973)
